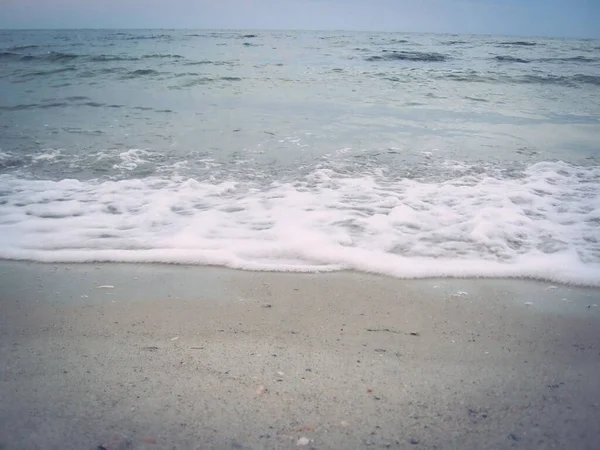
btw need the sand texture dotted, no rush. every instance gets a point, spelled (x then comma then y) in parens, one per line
(166, 357)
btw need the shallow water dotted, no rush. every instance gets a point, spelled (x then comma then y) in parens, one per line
(405, 154)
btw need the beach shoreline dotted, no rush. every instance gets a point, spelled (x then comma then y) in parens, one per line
(158, 356)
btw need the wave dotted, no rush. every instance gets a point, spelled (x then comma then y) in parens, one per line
(194, 82)
(393, 41)
(9, 55)
(208, 62)
(111, 58)
(407, 56)
(147, 37)
(43, 73)
(581, 59)
(469, 77)
(518, 43)
(576, 80)
(142, 73)
(22, 47)
(455, 42)
(162, 56)
(51, 56)
(570, 81)
(511, 59)
(542, 224)
(59, 56)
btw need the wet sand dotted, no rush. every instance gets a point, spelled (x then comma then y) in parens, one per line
(163, 357)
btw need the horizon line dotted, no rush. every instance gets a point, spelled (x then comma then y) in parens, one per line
(300, 30)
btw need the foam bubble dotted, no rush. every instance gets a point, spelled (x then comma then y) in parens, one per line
(49, 155)
(131, 159)
(545, 224)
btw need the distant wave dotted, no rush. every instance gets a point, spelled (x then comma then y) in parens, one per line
(162, 56)
(567, 81)
(22, 47)
(41, 73)
(572, 59)
(393, 41)
(59, 56)
(145, 37)
(519, 43)
(573, 80)
(200, 81)
(511, 59)
(142, 72)
(407, 56)
(468, 77)
(111, 58)
(581, 59)
(9, 55)
(207, 62)
(69, 57)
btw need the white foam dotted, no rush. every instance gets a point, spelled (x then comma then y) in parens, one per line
(131, 159)
(49, 155)
(545, 225)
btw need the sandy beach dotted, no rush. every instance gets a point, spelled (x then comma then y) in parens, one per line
(176, 357)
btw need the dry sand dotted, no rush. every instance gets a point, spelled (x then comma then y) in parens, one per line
(163, 357)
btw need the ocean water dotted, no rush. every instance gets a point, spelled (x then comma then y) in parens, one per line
(411, 155)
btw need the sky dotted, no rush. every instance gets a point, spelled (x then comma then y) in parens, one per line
(570, 18)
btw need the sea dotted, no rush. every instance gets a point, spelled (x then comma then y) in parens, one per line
(407, 155)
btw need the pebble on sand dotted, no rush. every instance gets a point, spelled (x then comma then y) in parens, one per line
(260, 390)
(303, 441)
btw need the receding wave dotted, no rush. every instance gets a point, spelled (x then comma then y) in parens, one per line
(394, 55)
(511, 59)
(322, 221)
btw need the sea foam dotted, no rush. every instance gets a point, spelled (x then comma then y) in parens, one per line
(544, 223)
